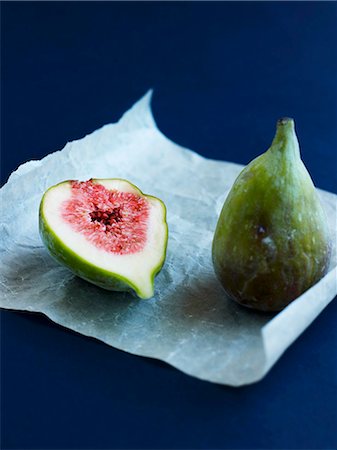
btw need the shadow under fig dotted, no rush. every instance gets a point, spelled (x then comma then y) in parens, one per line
(204, 299)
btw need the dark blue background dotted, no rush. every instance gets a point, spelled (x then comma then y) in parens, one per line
(222, 74)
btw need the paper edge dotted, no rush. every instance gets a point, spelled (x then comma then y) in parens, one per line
(143, 104)
(272, 347)
(141, 354)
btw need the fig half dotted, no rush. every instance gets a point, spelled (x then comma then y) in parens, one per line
(107, 232)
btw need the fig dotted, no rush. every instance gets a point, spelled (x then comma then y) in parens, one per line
(107, 232)
(271, 241)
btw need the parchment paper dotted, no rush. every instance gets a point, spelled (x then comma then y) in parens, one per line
(189, 323)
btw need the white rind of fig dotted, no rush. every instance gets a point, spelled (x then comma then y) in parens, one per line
(118, 272)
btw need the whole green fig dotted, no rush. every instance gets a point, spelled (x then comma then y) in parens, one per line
(272, 240)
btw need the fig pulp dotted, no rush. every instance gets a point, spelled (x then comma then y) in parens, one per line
(107, 232)
(272, 242)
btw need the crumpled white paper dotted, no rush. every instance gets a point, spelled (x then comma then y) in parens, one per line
(189, 323)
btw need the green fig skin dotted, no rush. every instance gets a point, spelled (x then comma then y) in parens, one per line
(272, 242)
(89, 272)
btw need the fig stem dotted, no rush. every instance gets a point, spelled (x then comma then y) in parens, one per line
(285, 139)
(285, 121)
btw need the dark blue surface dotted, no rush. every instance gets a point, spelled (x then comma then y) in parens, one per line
(222, 74)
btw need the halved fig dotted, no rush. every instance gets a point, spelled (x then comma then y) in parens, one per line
(107, 232)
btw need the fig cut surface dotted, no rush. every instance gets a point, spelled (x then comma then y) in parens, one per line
(107, 232)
